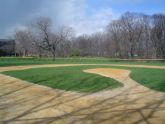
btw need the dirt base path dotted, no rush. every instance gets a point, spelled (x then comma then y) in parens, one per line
(22, 102)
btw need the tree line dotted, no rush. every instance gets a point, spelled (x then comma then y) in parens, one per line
(133, 35)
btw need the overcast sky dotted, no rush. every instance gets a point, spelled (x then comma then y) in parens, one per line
(85, 16)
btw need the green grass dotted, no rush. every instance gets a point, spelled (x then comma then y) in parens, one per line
(66, 78)
(148, 77)
(72, 78)
(151, 78)
(13, 61)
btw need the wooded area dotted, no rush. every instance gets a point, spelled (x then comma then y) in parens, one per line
(133, 35)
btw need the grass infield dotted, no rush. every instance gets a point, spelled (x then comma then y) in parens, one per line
(74, 79)
(66, 78)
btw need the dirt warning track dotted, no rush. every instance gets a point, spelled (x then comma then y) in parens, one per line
(22, 102)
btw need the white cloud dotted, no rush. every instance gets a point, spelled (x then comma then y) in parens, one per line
(74, 13)
(94, 23)
(10, 31)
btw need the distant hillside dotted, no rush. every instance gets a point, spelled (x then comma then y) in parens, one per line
(7, 47)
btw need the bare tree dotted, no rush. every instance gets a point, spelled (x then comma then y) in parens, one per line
(115, 35)
(129, 36)
(50, 40)
(67, 35)
(23, 42)
(158, 35)
(133, 35)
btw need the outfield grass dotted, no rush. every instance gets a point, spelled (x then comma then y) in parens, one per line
(72, 78)
(12, 61)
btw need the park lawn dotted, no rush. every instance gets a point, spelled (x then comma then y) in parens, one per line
(16, 61)
(74, 79)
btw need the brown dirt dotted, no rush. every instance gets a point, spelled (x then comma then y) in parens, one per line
(22, 102)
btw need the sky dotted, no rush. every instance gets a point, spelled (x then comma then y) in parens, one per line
(84, 16)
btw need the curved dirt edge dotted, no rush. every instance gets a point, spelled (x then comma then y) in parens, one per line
(23, 102)
(120, 75)
(101, 93)
(10, 68)
(123, 78)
